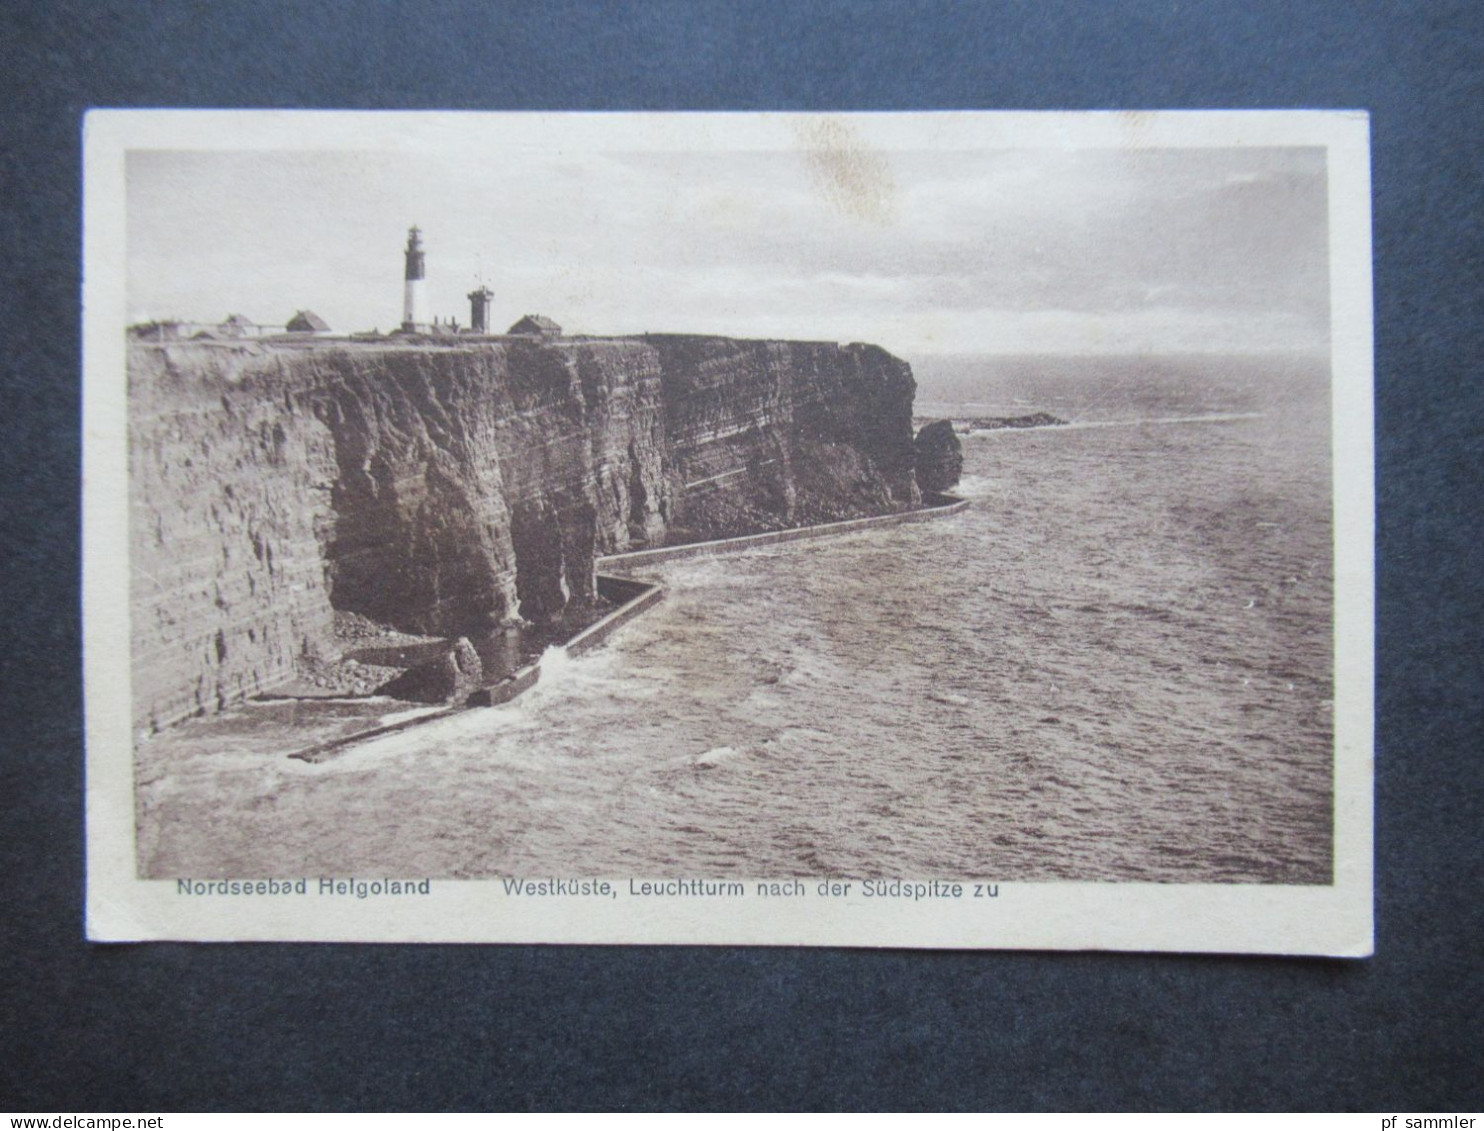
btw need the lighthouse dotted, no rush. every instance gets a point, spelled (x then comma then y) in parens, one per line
(414, 292)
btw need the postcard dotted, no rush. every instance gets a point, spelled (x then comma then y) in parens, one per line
(912, 529)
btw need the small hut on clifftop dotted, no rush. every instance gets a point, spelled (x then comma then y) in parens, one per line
(536, 324)
(307, 322)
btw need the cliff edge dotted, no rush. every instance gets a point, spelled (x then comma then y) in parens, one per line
(453, 487)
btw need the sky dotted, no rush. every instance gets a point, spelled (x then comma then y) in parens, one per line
(1013, 251)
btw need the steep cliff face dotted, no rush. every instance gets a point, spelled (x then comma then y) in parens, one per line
(450, 488)
(475, 483)
(231, 478)
(764, 435)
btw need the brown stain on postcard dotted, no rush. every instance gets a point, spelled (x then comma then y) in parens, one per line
(1134, 128)
(850, 175)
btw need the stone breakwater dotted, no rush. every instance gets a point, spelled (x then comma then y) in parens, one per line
(444, 489)
(934, 505)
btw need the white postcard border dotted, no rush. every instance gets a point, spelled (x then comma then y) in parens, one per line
(1333, 920)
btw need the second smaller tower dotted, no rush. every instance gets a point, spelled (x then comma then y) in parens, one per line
(479, 306)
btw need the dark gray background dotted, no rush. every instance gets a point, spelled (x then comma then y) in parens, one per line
(175, 1027)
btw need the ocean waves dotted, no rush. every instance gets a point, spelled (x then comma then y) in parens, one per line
(1115, 666)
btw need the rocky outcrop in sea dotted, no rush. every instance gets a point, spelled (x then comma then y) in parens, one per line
(1030, 420)
(940, 456)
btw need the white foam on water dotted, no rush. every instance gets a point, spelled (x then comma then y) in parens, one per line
(948, 698)
(978, 486)
(1061, 683)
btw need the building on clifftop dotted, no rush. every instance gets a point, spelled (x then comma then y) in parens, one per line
(538, 325)
(479, 310)
(237, 326)
(166, 330)
(307, 322)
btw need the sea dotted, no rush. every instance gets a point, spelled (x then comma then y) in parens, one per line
(1116, 665)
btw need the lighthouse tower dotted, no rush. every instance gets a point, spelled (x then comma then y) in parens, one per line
(414, 293)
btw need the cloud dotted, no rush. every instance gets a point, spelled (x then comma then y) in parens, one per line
(1002, 251)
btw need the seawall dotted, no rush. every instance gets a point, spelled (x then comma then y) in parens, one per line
(444, 488)
(934, 505)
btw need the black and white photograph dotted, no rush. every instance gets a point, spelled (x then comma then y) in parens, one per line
(916, 529)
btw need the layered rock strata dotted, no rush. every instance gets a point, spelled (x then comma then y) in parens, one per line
(449, 489)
